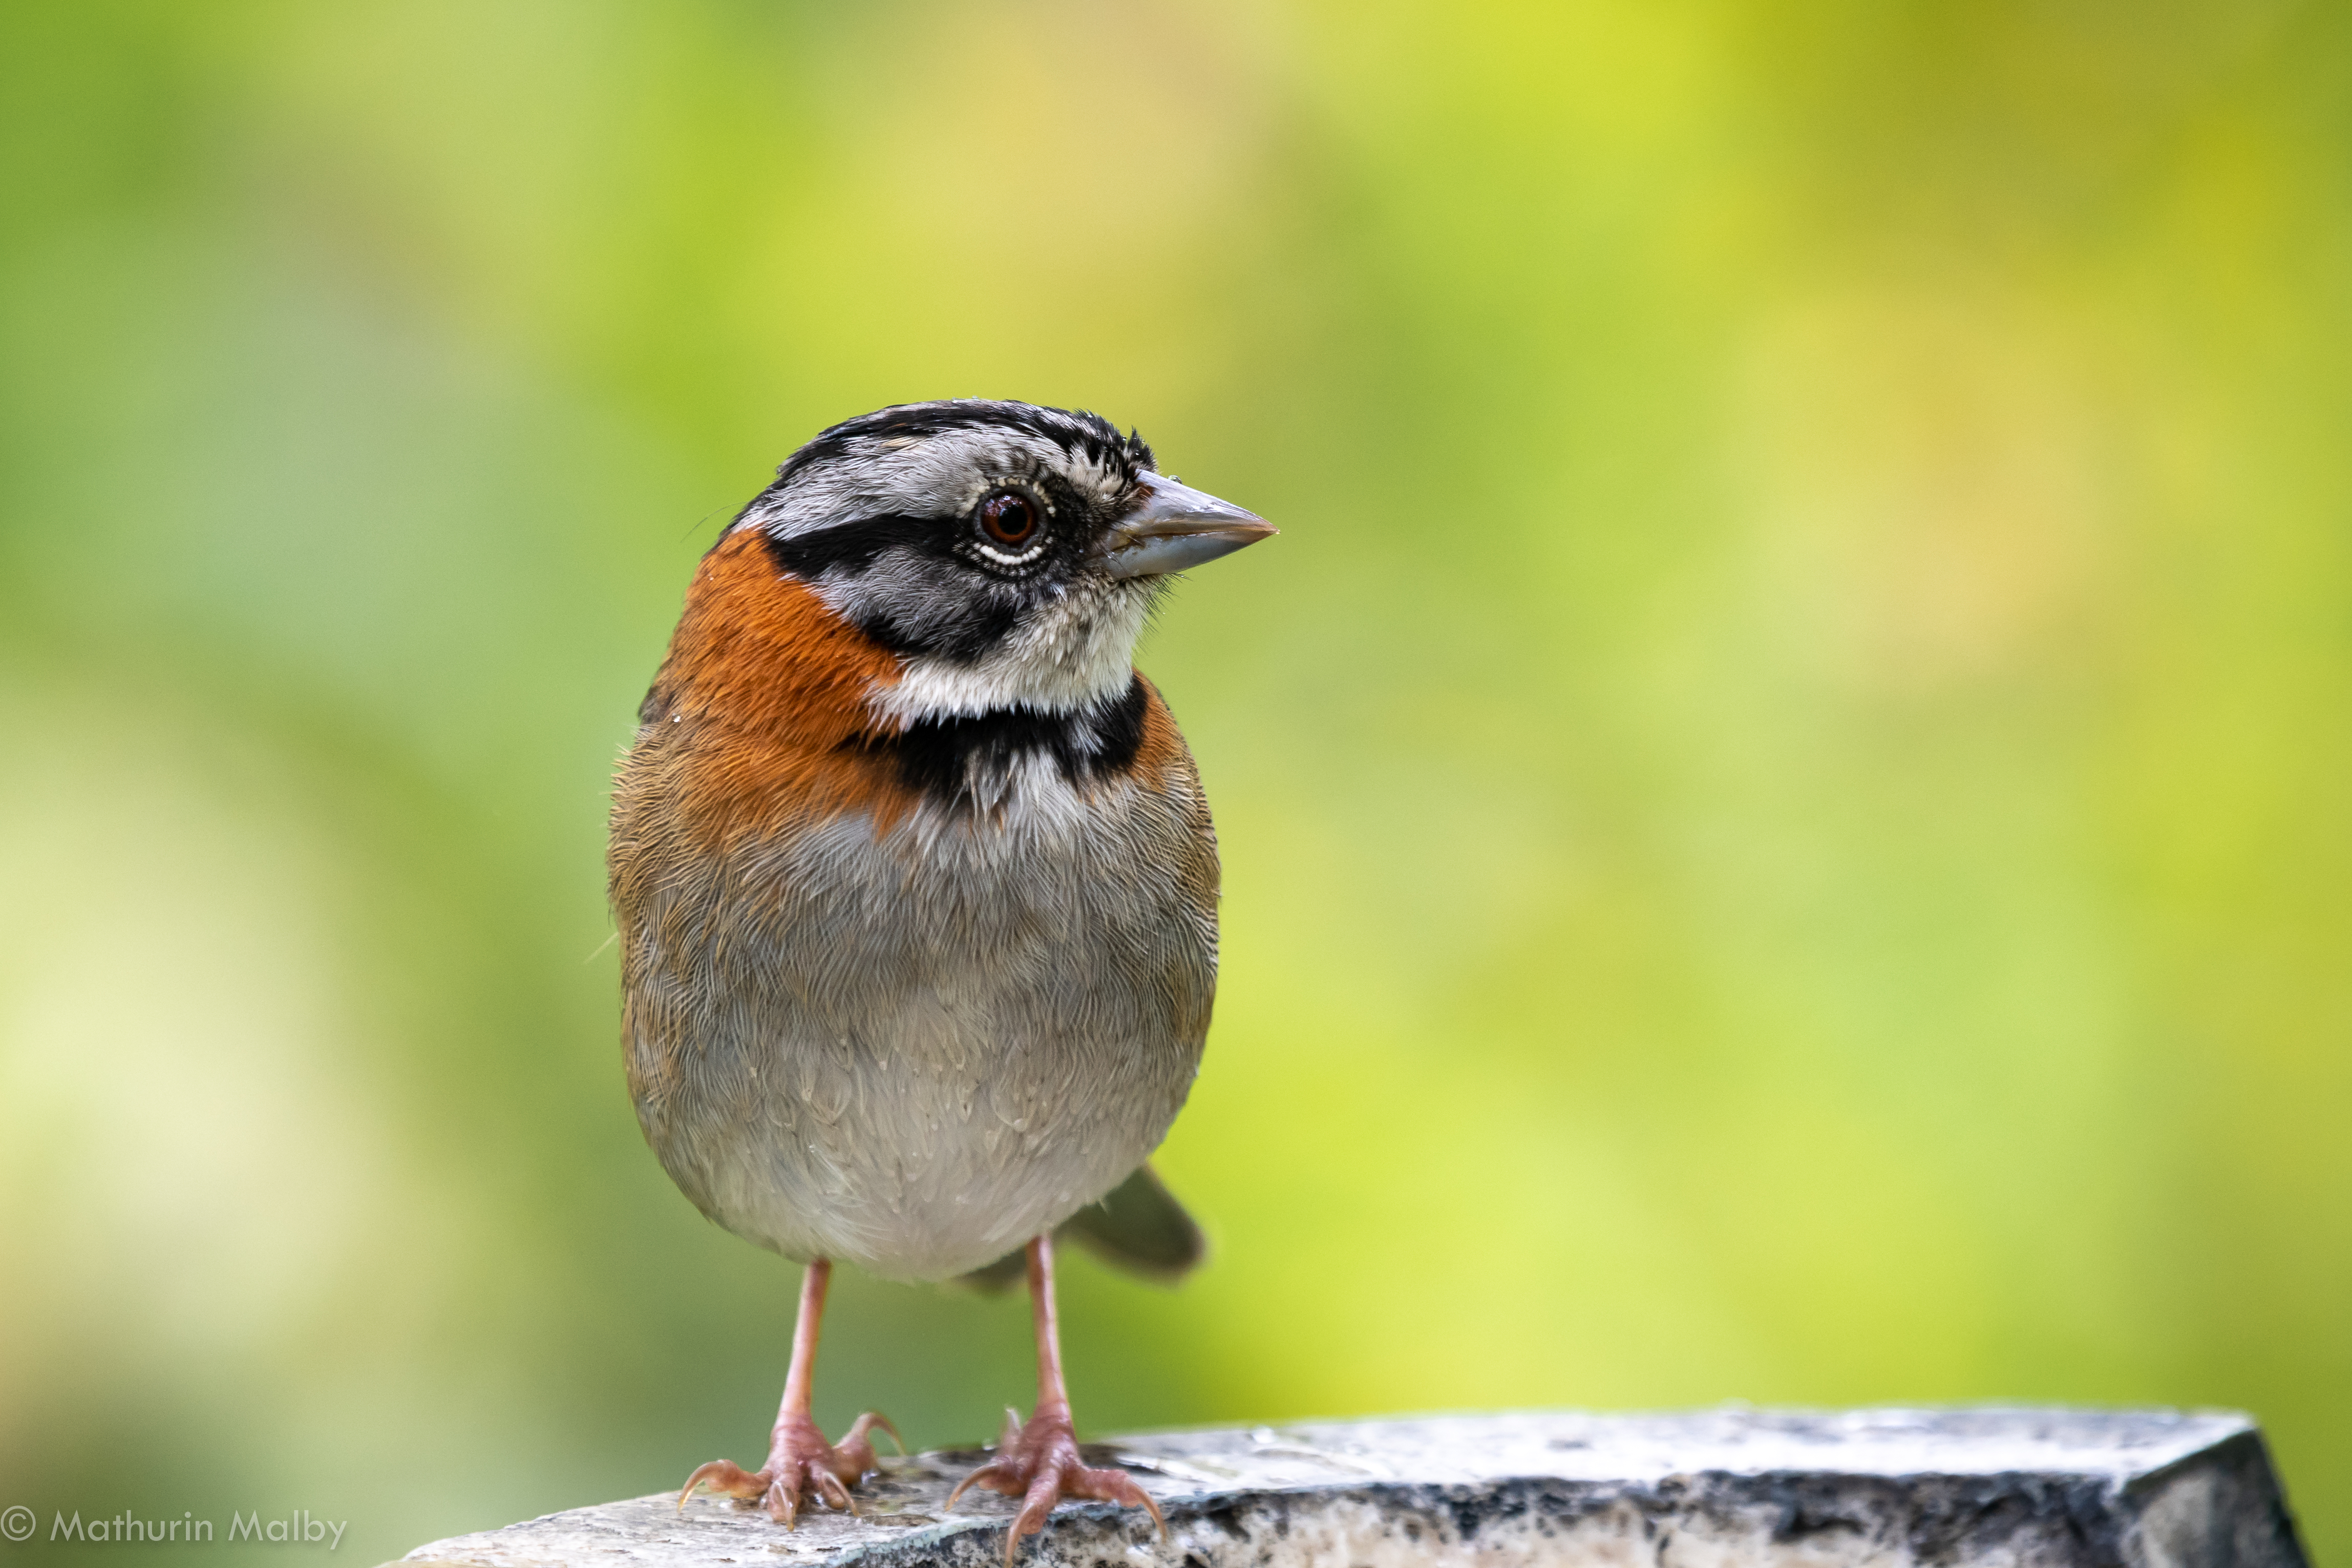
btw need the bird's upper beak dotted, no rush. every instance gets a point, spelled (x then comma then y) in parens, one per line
(1176, 526)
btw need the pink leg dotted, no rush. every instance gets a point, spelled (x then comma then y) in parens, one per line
(799, 1459)
(1038, 1462)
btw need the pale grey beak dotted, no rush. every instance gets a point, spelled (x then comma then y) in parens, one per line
(1175, 527)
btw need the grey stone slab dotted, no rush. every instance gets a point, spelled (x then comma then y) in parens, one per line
(1722, 1488)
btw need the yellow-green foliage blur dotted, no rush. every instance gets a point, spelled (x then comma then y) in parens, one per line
(1786, 790)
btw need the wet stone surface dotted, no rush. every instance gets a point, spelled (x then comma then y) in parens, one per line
(2003, 1488)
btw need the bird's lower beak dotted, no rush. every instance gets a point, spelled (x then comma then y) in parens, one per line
(1175, 527)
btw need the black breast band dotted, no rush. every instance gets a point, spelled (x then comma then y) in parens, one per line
(955, 761)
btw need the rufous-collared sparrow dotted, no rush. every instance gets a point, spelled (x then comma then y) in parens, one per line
(917, 888)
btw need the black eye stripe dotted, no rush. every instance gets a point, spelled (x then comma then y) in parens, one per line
(856, 545)
(960, 627)
(853, 545)
(939, 584)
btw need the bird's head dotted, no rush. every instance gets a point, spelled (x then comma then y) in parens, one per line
(1008, 554)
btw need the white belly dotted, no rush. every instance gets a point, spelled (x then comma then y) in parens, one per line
(914, 1053)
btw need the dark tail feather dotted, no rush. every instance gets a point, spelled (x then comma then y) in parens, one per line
(997, 1277)
(1139, 1226)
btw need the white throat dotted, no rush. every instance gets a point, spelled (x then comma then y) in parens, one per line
(1078, 651)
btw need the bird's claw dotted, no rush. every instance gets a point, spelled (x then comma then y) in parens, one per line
(799, 1461)
(1039, 1464)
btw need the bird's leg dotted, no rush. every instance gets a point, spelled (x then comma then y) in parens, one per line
(799, 1459)
(1038, 1462)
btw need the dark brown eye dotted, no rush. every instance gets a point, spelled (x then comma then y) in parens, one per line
(1008, 519)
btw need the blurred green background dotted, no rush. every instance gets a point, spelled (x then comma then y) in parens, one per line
(1787, 790)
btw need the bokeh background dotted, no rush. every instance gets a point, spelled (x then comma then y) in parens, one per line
(1786, 789)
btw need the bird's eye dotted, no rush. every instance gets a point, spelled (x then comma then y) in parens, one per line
(1009, 519)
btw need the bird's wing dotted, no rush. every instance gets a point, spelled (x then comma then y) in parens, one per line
(1139, 1226)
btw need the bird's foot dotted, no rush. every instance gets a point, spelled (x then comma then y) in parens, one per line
(1038, 1463)
(799, 1461)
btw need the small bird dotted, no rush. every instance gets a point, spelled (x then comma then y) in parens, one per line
(917, 889)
